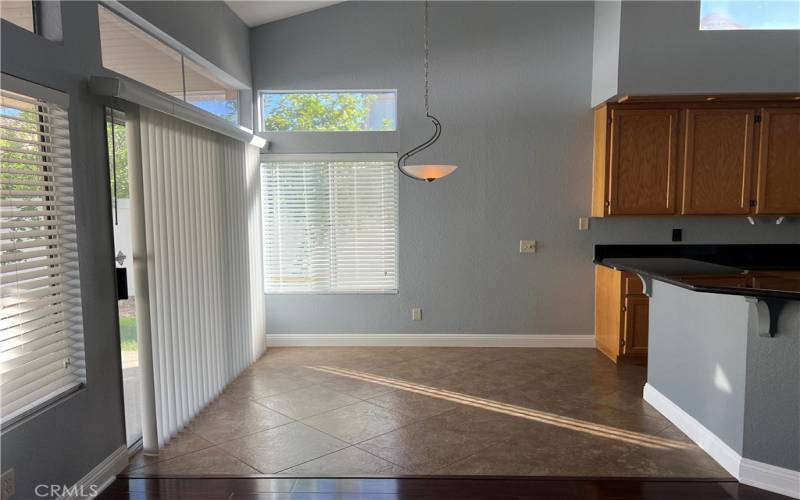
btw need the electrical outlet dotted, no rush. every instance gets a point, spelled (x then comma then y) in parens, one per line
(677, 234)
(8, 487)
(583, 223)
(416, 314)
(527, 246)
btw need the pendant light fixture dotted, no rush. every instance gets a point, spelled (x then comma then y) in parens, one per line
(426, 172)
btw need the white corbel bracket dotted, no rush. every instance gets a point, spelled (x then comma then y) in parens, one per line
(647, 285)
(767, 312)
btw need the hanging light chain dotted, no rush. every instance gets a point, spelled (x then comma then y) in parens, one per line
(427, 56)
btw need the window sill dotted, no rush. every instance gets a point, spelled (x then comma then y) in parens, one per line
(42, 407)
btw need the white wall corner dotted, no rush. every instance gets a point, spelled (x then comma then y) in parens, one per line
(98, 479)
(427, 340)
(749, 472)
(605, 50)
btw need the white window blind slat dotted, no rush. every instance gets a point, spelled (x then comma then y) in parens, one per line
(330, 225)
(41, 339)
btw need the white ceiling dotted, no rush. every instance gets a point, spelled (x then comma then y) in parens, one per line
(258, 12)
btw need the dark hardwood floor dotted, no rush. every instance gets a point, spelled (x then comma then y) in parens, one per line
(252, 488)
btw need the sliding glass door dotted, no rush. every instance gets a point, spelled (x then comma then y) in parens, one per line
(121, 213)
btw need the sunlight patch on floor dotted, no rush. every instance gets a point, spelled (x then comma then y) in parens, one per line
(599, 430)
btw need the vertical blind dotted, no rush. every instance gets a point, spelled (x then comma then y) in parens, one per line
(202, 230)
(41, 328)
(330, 224)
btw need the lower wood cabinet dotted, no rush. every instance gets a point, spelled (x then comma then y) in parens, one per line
(621, 315)
(634, 329)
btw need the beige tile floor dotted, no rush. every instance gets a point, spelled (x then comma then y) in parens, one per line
(463, 411)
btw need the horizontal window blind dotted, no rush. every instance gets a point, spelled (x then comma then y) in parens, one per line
(330, 225)
(41, 334)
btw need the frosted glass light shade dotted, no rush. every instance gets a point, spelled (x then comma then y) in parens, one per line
(428, 173)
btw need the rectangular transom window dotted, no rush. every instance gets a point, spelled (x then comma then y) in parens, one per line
(330, 223)
(749, 15)
(130, 51)
(19, 12)
(41, 333)
(328, 111)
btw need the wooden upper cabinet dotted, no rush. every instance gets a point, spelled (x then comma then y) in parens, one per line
(697, 155)
(642, 161)
(778, 190)
(717, 162)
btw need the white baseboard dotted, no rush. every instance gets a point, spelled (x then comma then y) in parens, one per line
(98, 479)
(726, 456)
(427, 340)
(750, 472)
(770, 477)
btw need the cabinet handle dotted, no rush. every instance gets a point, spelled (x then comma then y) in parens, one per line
(607, 203)
(624, 308)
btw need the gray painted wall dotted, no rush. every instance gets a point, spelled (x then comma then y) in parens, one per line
(698, 358)
(663, 51)
(710, 361)
(605, 63)
(512, 86)
(61, 444)
(772, 403)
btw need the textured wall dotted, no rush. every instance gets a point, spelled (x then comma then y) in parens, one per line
(772, 404)
(511, 84)
(63, 443)
(662, 51)
(697, 355)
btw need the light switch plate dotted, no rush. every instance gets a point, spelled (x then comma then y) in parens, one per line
(527, 246)
(416, 314)
(583, 223)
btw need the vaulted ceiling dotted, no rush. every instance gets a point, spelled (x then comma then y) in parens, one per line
(256, 13)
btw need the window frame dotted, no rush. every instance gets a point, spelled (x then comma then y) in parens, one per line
(260, 110)
(334, 157)
(59, 101)
(211, 71)
(745, 30)
(35, 14)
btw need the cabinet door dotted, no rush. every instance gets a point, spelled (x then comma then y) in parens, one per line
(644, 144)
(607, 311)
(718, 158)
(635, 330)
(778, 189)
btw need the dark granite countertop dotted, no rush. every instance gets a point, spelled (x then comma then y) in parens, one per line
(761, 271)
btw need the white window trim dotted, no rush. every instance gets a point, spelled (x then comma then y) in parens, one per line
(266, 157)
(299, 157)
